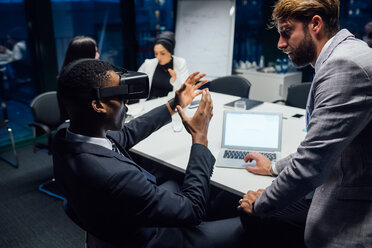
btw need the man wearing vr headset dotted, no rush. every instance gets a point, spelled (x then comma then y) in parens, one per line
(111, 196)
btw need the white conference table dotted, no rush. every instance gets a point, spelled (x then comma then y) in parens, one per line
(173, 148)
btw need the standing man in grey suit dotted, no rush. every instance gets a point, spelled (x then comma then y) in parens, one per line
(335, 158)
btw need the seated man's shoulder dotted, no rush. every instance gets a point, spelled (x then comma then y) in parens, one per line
(100, 170)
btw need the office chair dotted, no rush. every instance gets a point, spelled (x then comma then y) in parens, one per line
(4, 124)
(231, 85)
(297, 95)
(90, 240)
(47, 118)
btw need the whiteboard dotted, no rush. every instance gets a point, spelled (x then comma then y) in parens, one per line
(205, 35)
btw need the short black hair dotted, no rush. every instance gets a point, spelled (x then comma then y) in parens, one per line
(75, 82)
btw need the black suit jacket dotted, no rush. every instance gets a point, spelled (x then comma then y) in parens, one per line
(114, 199)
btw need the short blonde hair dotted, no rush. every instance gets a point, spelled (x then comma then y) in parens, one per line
(304, 10)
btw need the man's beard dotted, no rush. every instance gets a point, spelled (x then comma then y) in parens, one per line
(305, 52)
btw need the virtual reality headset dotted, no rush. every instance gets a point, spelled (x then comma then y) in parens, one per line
(133, 85)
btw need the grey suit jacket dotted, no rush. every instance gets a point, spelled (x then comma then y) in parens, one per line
(335, 158)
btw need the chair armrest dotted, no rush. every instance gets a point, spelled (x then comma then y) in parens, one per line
(45, 128)
(279, 101)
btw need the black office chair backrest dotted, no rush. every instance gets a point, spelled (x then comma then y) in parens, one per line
(45, 109)
(91, 240)
(231, 85)
(297, 95)
(71, 214)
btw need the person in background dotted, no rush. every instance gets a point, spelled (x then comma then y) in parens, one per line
(18, 51)
(81, 47)
(367, 37)
(113, 197)
(166, 72)
(16, 59)
(335, 158)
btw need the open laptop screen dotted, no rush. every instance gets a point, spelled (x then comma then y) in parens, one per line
(254, 131)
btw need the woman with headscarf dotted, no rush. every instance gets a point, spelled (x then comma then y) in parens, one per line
(166, 72)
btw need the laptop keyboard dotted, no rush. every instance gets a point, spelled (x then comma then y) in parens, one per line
(231, 154)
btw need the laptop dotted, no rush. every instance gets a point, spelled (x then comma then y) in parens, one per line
(245, 132)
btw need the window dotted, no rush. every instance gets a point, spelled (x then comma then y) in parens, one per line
(15, 61)
(249, 25)
(152, 17)
(100, 20)
(17, 87)
(354, 15)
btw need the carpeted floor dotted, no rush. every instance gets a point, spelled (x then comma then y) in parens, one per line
(29, 218)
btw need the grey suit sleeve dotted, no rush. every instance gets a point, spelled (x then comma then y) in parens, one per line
(342, 108)
(281, 164)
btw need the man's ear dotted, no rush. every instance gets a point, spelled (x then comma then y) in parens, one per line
(98, 106)
(316, 25)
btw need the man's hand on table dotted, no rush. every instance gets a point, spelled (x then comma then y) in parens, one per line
(263, 164)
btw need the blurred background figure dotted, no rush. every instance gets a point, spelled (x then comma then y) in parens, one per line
(166, 72)
(16, 56)
(368, 34)
(18, 47)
